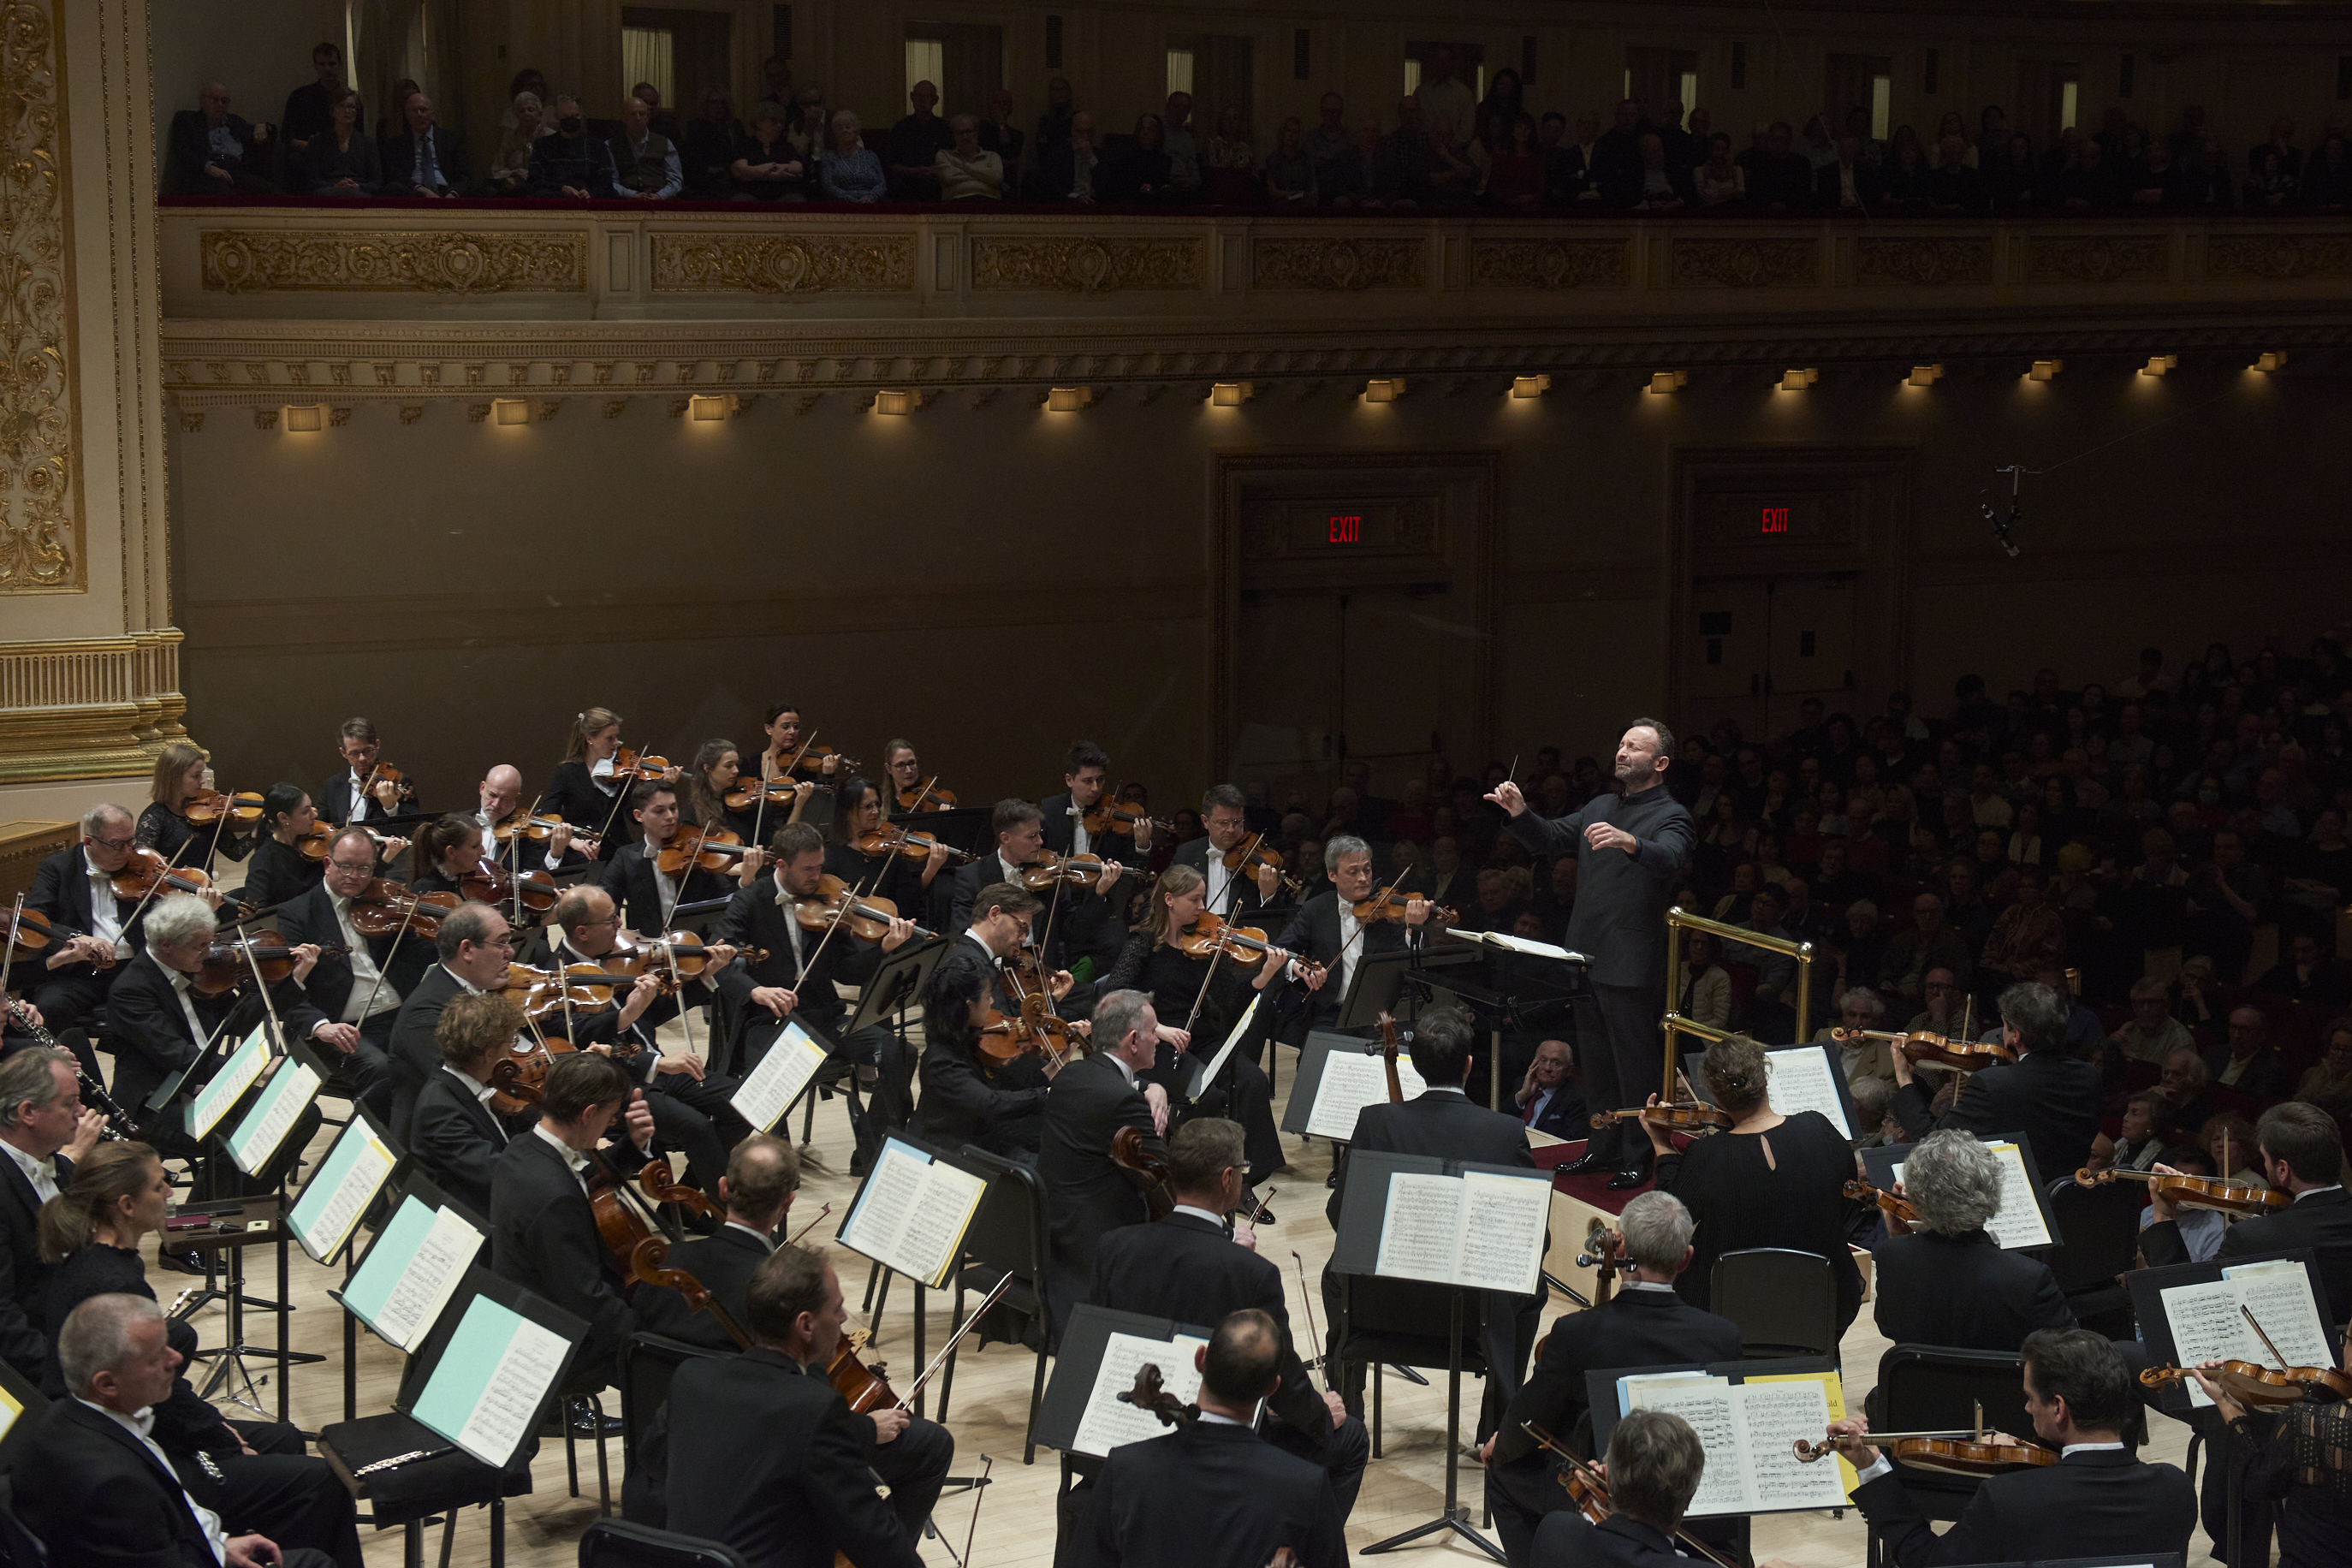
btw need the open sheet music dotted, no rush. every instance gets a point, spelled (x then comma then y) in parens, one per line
(255, 1142)
(2207, 1324)
(1110, 1421)
(490, 1381)
(1351, 1081)
(2019, 1222)
(239, 1073)
(356, 1166)
(1801, 1079)
(913, 1212)
(1216, 1064)
(1479, 1229)
(1749, 1431)
(1511, 943)
(779, 1078)
(411, 1272)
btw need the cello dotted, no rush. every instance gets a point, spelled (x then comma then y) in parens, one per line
(647, 1266)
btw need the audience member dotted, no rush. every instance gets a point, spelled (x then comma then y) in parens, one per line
(569, 161)
(310, 108)
(916, 141)
(1140, 172)
(766, 167)
(1183, 146)
(1289, 171)
(966, 171)
(423, 160)
(645, 163)
(2328, 1082)
(1443, 95)
(339, 159)
(2246, 1062)
(509, 172)
(213, 153)
(707, 143)
(850, 170)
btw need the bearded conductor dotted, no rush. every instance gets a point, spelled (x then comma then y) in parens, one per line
(1631, 848)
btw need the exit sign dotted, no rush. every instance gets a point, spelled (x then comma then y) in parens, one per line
(1774, 519)
(1347, 527)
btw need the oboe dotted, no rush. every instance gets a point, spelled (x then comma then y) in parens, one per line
(119, 1127)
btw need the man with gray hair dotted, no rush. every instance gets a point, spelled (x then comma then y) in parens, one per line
(1947, 1281)
(475, 947)
(70, 979)
(96, 1487)
(1645, 1323)
(1091, 1100)
(1655, 1463)
(43, 1130)
(1333, 942)
(2053, 1099)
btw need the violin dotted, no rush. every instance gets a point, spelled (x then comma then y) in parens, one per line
(1252, 853)
(647, 1266)
(834, 903)
(1210, 935)
(1954, 1453)
(1693, 1117)
(148, 873)
(888, 840)
(383, 907)
(1589, 1493)
(540, 992)
(1128, 1152)
(711, 848)
(492, 883)
(778, 792)
(628, 763)
(1897, 1208)
(403, 788)
(812, 758)
(1033, 1028)
(313, 845)
(2260, 1387)
(930, 797)
(517, 1079)
(242, 810)
(1107, 817)
(32, 930)
(1968, 1055)
(2221, 1193)
(230, 961)
(1150, 1393)
(539, 829)
(677, 957)
(1390, 906)
(1078, 870)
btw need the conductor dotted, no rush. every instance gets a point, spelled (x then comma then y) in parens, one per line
(1631, 848)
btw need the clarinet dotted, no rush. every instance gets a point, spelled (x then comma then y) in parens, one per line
(119, 1127)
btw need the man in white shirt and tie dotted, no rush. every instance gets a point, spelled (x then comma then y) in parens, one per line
(71, 977)
(1333, 940)
(1224, 813)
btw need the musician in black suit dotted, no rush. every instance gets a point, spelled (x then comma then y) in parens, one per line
(1020, 839)
(1442, 1120)
(278, 873)
(2050, 1097)
(43, 1130)
(1093, 928)
(542, 1227)
(765, 1456)
(634, 875)
(72, 977)
(585, 790)
(1187, 1269)
(1211, 1494)
(1629, 850)
(1091, 1099)
(762, 1173)
(795, 982)
(1329, 939)
(360, 989)
(1645, 1323)
(474, 947)
(1229, 892)
(966, 1097)
(101, 1491)
(2098, 1500)
(1947, 1282)
(456, 1135)
(500, 797)
(1549, 1100)
(1655, 1462)
(355, 794)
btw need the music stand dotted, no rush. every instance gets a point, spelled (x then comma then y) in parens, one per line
(1499, 1004)
(1378, 985)
(933, 1154)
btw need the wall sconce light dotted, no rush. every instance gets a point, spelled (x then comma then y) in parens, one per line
(2273, 359)
(1668, 380)
(1530, 385)
(709, 405)
(1230, 393)
(1384, 390)
(1924, 375)
(1069, 399)
(2045, 370)
(305, 417)
(895, 402)
(511, 410)
(2158, 364)
(1799, 380)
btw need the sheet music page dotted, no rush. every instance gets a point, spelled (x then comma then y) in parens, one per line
(779, 1078)
(1351, 1081)
(1422, 1232)
(1511, 943)
(1110, 1421)
(1538, 1140)
(1502, 1230)
(1707, 1404)
(10, 1412)
(892, 1189)
(1772, 1416)
(256, 1140)
(913, 1212)
(1217, 1063)
(2279, 1296)
(443, 1254)
(2205, 1326)
(371, 1285)
(511, 1396)
(2019, 1223)
(935, 1229)
(1801, 1079)
(235, 1076)
(346, 1182)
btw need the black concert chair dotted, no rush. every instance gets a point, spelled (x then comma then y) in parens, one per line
(1933, 1388)
(647, 1364)
(1009, 1235)
(1784, 1302)
(617, 1543)
(2098, 1231)
(1387, 1323)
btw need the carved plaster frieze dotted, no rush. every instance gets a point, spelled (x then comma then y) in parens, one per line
(1341, 263)
(1551, 264)
(1746, 263)
(2278, 257)
(750, 263)
(238, 262)
(1918, 261)
(2096, 258)
(1084, 264)
(41, 547)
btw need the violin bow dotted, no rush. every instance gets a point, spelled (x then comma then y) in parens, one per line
(1544, 1439)
(1223, 925)
(954, 1340)
(620, 798)
(2255, 1324)
(1307, 1298)
(16, 914)
(1379, 900)
(375, 987)
(811, 1224)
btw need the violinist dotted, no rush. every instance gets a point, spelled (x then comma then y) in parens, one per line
(1020, 839)
(2300, 1458)
(1947, 1282)
(501, 793)
(1086, 771)
(965, 1099)
(586, 791)
(1186, 1267)
(2098, 1500)
(1236, 892)
(785, 741)
(795, 981)
(455, 1133)
(473, 948)
(2052, 1098)
(1655, 1463)
(1331, 942)
(2301, 1152)
(763, 1174)
(448, 850)
(635, 876)
(908, 782)
(74, 889)
(1092, 1099)
(905, 882)
(181, 770)
(360, 989)
(360, 794)
(278, 872)
(717, 766)
(1642, 1324)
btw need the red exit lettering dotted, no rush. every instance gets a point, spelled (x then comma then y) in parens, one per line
(1776, 519)
(1348, 529)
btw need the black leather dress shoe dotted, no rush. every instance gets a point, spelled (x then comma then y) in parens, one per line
(1630, 1177)
(1590, 1160)
(584, 1419)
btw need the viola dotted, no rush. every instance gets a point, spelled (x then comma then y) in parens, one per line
(242, 810)
(31, 931)
(1604, 1254)
(1033, 1028)
(230, 961)
(1210, 936)
(1252, 853)
(865, 1387)
(780, 793)
(539, 829)
(148, 873)
(383, 907)
(1968, 1055)
(579, 987)
(516, 1077)
(1897, 1208)
(930, 797)
(629, 764)
(1588, 1490)
(834, 902)
(1128, 1152)
(2221, 1193)
(1077, 870)
(709, 848)
(1693, 1117)
(887, 840)
(492, 883)
(1107, 817)
(649, 1266)
(677, 957)
(1392, 905)
(622, 1224)
(2257, 1386)
(1954, 1453)
(1150, 1393)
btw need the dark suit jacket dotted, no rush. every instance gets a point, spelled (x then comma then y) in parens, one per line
(543, 1238)
(769, 1459)
(1089, 1196)
(1059, 827)
(572, 795)
(1194, 852)
(2264, 1076)
(2054, 1101)
(724, 1263)
(334, 801)
(754, 918)
(1632, 1328)
(1829, 190)
(449, 157)
(2321, 1221)
(1619, 919)
(960, 1106)
(2104, 1504)
(1964, 1292)
(22, 1345)
(1565, 1114)
(149, 1031)
(184, 1422)
(1446, 1124)
(457, 1141)
(1314, 932)
(1212, 1497)
(1566, 1540)
(415, 1057)
(629, 878)
(97, 1499)
(312, 918)
(1189, 1270)
(191, 149)
(62, 892)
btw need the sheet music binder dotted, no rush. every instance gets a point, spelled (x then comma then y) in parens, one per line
(260, 1100)
(1601, 1390)
(936, 1155)
(1072, 1381)
(1879, 1165)
(2147, 1287)
(1363, 1208)
(1307, 1082)
(898, 980)
(302, 1216)
(482, 1284)
(418, 1189)
(21, 1407)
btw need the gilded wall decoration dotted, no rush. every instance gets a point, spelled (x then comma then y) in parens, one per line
(40, 490)
(1746, 263)
(2082, 260)
(1911, 262)
(774, 264)
(1085, 264)
(1551, 264)
(2278, 257)
(238, 262)
(1342, 264)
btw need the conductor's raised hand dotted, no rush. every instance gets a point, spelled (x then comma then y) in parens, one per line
(1507, 796)
(1609, 836)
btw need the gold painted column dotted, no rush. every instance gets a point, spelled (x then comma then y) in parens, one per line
(89, 658)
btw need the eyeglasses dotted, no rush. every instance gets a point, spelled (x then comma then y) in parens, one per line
(114, 843)
(590, 925)
(351, 865)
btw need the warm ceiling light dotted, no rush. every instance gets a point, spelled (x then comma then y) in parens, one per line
(1924, 375)
(894, 403)
(706, 406)
(1230, 394)
(1384, 390)
(2045, 370)
(306, 416)
(1069, 399)
(2274, 359)
(1530, 385)
(1799, 380)
(1666, 381)
(2158, 364)
(511, 410)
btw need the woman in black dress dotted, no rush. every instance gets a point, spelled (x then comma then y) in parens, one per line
(966, 1098)
(2299, 1456)
(1770, 1181)
(278, 871)
(585, 790)
(906, 882)
(164, 827)
(716, 768)
(449, 850)
(1153, 964)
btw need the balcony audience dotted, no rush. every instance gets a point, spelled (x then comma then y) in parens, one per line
(1067, 166)
(766, 166)
(340, 159)
(966, 171)
(707, 143)
(509, 172)
(1289, 171)
(911, 158)
(423, 160)
(645, 163)
(213, 153)
(571, 162)
(310, 108)
(1140, 172)
(850, 170)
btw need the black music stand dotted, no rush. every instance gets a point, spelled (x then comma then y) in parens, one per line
(1508, 995)
(1879, 1165)
(882, 1273)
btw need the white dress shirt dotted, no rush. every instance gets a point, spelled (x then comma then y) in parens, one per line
(371, 993)
(573, 1158)
(105, 913)
(1219, 881)
(1197, 1212)
(142, 1426)
(554, 862)
(363, 803)
(42, 1174)
(791, 923)
(180, 988)
(481, 1092)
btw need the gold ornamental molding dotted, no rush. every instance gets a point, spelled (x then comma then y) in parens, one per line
(2278, 257)
(693, 263)
(242, 262)
(88, 706)
(1085, 265)
(2074, 258)
(41, 544)
(1345, 264)
(1551, 264)
(1910, 262)
(1746, 263)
